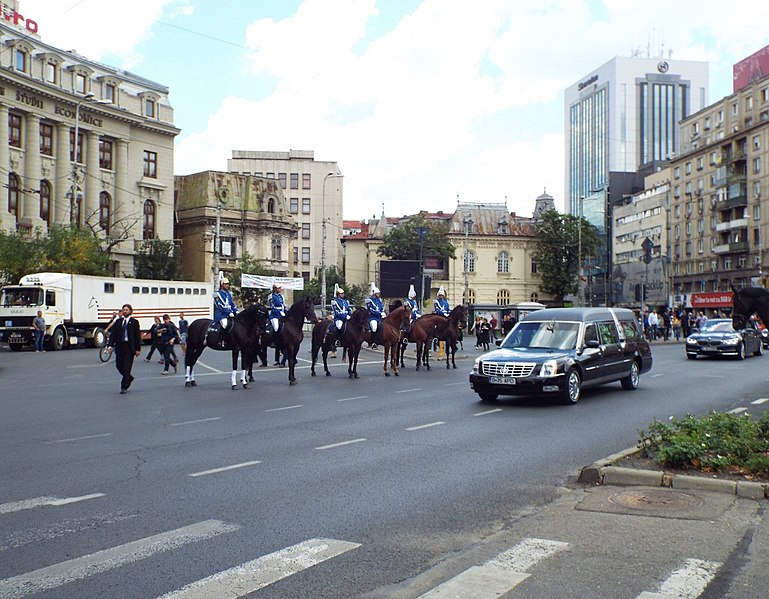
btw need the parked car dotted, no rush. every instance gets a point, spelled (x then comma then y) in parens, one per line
(557, 352)
(717, 337)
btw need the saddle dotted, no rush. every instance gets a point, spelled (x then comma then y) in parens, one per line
(216, 338)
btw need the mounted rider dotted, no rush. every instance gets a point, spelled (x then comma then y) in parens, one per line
(342, 310)
(375, 309)
(413, 305)
(441, 304)
(277, 306)
(224, 306)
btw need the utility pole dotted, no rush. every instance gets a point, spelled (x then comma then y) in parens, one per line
(323, 245)
(75, 209)
(468, 226)
(422, 232)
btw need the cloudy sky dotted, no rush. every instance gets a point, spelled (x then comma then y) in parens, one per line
(419, 101)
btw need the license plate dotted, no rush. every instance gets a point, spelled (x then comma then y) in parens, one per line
(502, 380)
(709, 349)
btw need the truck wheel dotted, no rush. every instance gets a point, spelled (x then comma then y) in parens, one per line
(98, 338)
(58, 339)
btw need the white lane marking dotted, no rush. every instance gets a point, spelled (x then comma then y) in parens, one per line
(340, 444)
(492, 411)
(28, 504)
(79, 438)
(211, 368)
(498, 575)
(224, 468)
(453, 384)
(352, 398)
(264, 571)
(409, 390)
(737, 410)
(759, 401)
(62, 573)
(688, 582)
(285, 408)
(195, 421)
(712, 376)
(421, 426)
(659, 374)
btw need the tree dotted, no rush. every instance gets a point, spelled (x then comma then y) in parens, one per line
(557, 251)
(403, 242)
(18, 257)
(158, 259)
(250, 266)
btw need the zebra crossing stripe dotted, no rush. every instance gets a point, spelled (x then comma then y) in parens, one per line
(264, 571)
(498, 575)
(28, 504)
(62, 573)
(688, 582)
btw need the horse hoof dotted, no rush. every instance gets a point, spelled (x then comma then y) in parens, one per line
(187, 384)
(193, 383)
(245, 385)
(312, 373)
(234, 387)
(292, 383)
(351, 376)
(251, 379)
(356, 375)
(397, 373)
(387, 374)
(454, 366)
(328, 373)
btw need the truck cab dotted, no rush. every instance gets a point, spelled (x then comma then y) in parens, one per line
(19, 305)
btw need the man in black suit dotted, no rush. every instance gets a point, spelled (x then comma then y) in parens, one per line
(125, 339)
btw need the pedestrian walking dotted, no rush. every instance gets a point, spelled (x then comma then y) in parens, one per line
(125, 340)
(485, 334)
(169, 336)
(155, 336)
(39, 324)
(183, 326)
(676, 324)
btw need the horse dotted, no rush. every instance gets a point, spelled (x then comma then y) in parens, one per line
(389, 336)
(241, 342)
(442, 328)
(290, 335)
(351, 340)
(747, 302)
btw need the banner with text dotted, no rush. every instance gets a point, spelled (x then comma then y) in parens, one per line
(265, 282)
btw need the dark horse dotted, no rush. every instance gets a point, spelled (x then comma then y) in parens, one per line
(290, 334)
(241, 342)
(351, 340)
(442, 328)
(389, 335)
(747, 302)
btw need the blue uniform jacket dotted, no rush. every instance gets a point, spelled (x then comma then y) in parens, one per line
(341, 308)
(442, 306)
(277, 305)
(375, 308)
(224, 305)
(415, 313)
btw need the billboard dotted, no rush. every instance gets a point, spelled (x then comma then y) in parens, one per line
(395, 277)
(751, 69)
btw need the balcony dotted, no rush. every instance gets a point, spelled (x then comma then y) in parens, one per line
(737, 201)
(740, 223)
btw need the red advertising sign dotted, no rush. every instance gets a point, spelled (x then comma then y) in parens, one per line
(751, 69)
(717, 299)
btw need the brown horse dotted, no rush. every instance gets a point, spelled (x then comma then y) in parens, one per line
(447, 329)
(290, 335)
(351, 340)
(389, 336)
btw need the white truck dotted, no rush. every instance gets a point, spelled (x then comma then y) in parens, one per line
(77, 308)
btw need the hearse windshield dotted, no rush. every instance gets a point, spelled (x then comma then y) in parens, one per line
(543, 335)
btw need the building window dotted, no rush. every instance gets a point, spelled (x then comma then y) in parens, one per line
(469, 261)
(749, 103)
(294, 180)
(46, 139)
(293, 205)
(13, 195)
(282, 180)
(149, 108)
(50, 72)
(305, 230)
(227, 247)
(305, 255)
(306, 181)
(700, 163)
(14, 130)
(757, 212)
(677, 172)
(470, 299)
(757, 165)
(533, 266)
(276, 249)
(503, 297)
(271, 205)
(105, 204)
(150, 164)
(305, 205)
(148, 229)
(756, 142)
(688, 168)
(296, 255)
(105, 154)
(79, 146)
(110, 93)
(45, 202)
(21, 60)
(503, 262)
(80, 83)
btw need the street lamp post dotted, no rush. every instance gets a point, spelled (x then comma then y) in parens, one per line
(468, 222)
(579, 252)
(323, 245)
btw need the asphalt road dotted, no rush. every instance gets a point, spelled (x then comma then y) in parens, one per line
(376, 480)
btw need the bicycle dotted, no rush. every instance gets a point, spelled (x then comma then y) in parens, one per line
(105, 354)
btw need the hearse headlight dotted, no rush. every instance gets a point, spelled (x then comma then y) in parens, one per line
(732, 340)
(477, 366)
(691, 341)
(549, 368)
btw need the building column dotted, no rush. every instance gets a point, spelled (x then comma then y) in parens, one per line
(122, 202)
(30, 208)
(61, 204)
(7, 220)
(92, 185)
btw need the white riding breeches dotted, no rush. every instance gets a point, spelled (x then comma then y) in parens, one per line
(339, 324)
(374, 324)
(223, 322)
(275, 324)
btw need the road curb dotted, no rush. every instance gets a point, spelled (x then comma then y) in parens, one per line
(606, 472)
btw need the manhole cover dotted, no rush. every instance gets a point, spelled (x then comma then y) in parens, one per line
(655, 500)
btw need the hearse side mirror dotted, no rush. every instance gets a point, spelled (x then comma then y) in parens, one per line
(592, 343)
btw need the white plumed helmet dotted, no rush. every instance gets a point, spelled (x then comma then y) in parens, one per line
(337, 289)
(374, 289)
(412, 292)
(442, 291)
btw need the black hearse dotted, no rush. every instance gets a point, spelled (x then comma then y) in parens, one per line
(558, 351)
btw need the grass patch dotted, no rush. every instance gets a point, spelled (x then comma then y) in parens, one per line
(716, 442)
